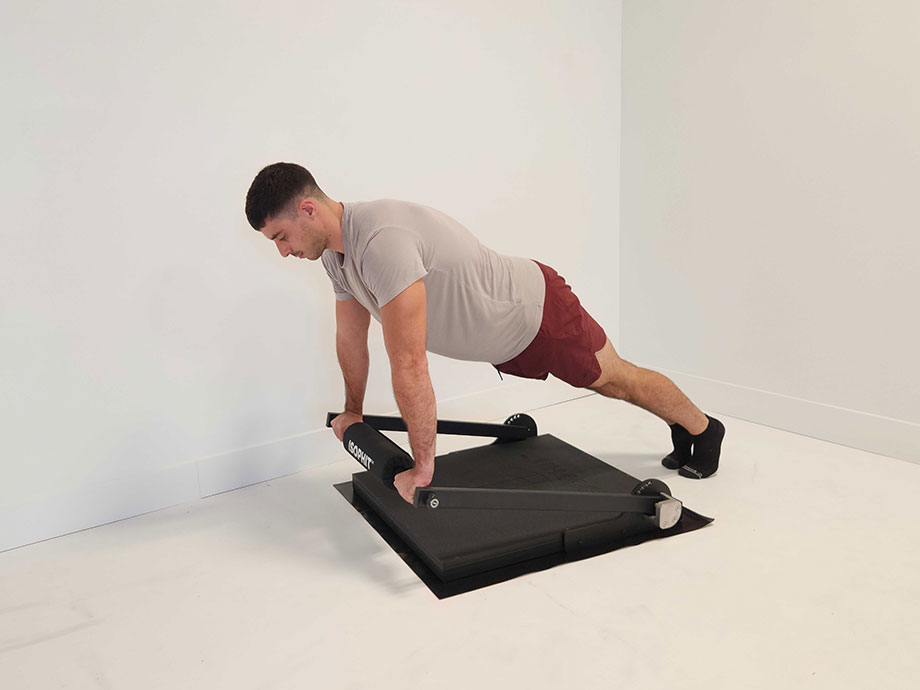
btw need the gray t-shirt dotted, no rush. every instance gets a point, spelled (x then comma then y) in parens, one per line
(481, 305)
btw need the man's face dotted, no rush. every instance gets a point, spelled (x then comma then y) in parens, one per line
(299, 235)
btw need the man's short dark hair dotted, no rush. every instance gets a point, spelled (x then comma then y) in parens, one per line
(274, 188)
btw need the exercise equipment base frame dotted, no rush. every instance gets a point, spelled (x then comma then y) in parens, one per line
(689, 521)
(580, 538)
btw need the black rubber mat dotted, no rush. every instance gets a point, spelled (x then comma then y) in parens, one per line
(456, 550)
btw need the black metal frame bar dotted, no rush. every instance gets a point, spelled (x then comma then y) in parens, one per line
(508, 432)
(525, 499)
(665, 509)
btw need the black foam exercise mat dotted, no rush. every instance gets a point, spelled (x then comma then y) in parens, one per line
(458, 550)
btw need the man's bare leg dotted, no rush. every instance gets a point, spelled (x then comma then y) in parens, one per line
(659, 395)
(647, 389)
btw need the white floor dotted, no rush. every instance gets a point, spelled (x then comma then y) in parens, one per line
(807, 579)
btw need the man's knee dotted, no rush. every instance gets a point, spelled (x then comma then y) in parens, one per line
(620, 387)
(617, 375)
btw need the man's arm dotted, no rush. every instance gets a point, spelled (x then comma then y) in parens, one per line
(351, 324)
(405, 331)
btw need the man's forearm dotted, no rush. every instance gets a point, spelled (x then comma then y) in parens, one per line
(416, 401)
(355, 362)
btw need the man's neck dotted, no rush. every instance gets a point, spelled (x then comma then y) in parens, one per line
(336, 241)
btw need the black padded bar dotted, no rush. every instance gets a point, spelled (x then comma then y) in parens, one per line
(501, 431)
(375, 452)
(514, 499)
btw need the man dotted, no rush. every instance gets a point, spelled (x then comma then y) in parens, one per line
(434, 287)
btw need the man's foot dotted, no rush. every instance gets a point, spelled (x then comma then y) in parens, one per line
(707, 447)
(682, 441)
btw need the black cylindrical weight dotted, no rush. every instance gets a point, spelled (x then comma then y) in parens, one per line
(522, 420)
(376, 453)
(650, 487)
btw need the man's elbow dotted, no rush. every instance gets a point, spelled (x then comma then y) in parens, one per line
(409, 365)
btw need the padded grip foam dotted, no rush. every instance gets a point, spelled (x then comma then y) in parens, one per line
(376, 453)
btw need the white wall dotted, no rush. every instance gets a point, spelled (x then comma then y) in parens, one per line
(155, 348)
(771, 166)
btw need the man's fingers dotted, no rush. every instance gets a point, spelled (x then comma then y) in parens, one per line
(406, 490)
(338, 428)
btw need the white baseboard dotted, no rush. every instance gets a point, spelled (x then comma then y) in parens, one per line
(894, 438)
(100, 503)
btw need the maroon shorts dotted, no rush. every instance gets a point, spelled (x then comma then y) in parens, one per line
(566, 342)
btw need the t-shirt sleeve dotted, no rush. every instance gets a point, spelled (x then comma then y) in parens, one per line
(341, 294)
(391, 262)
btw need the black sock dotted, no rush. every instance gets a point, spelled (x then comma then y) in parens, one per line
(680, 456)
(706, 449)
